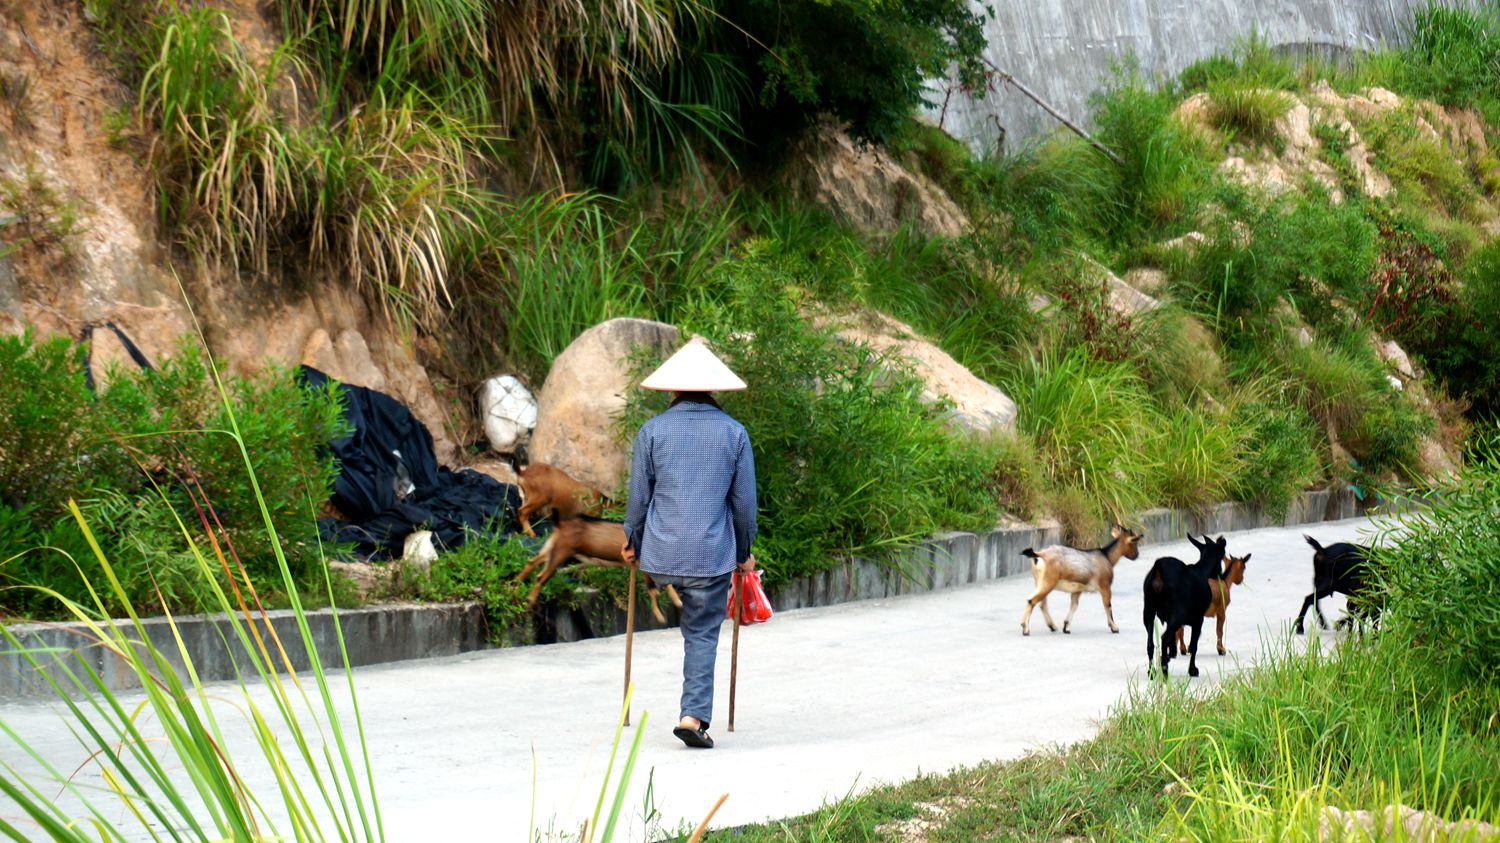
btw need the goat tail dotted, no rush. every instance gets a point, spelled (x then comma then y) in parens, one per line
(1029, 552)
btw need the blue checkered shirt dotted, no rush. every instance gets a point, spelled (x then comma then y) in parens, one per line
(692, 492)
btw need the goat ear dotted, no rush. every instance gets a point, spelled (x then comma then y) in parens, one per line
(1222, 543)
(1312, 541)
(1195, 542)
(1246, 560)
(1115, 531)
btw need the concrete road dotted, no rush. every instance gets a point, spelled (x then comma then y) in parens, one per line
(829, 699)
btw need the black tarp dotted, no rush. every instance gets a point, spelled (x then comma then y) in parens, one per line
(390, 484)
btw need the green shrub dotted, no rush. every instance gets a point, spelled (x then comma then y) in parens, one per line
(484, 568)
(1094, 422)
(1420, 165)
(866, 64)
(1199, 455)
(1444, 565)
(1453, 55)
(1164, 167)
(48, 426)
(153, 450)
(1464, 350)
(1247, 112)
(1278, 454)
(1254, 63)
(1259, 255)
(1019, 476)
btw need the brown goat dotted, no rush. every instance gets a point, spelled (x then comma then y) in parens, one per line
(545, 487)
(1234, 574)
(1076, 571)
(593, 541)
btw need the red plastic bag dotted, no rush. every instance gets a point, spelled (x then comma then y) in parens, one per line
(755, 607)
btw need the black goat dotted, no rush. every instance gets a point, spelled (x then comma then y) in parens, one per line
(1179, 595)
(1344, 568)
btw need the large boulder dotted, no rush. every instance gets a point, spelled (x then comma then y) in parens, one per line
(869, 190)
(978, 406)
(584, 395)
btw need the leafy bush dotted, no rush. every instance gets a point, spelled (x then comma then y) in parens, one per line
(47, 428)
(1278, 454)
(1261, 254)
(484, 568)
(866, 64)
(1093, 421)
(1164, 166)
(1444, 565)
(149, 453)
(1453, 56)
(1200, 456)
(1254, 63)
(1464, 349)
(1249, 113)
(1419, 164)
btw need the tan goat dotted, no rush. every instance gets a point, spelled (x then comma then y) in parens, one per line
(1234, 574)
(1075, 571)
(545, 487)
(592, 541)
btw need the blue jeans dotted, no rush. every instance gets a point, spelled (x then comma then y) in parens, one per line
(703, 603)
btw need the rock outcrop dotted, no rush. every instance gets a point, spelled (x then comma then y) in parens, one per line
(584, 395)
(977, 406)
(868, 189)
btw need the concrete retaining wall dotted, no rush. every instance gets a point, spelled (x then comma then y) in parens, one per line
(1064, 49)
(396, 632)
(372, 635)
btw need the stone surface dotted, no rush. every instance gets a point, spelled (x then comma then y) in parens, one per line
(1391, 353)
(868, 189)
(978, 406)
(508, 410)
(584, 395)
(1147, 279)
(1400, 822)
(1188, 242)
(1123, 298)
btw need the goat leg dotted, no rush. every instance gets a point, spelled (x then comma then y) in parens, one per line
(523, 515)
(533, 561)
(553, 564)
(1193, 648)
(1308, 602)
(1150, 623)
(653, 596)
(1072, 608)
(1109, 612)
(1220, 619)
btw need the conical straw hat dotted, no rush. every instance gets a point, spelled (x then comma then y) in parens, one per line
(693, 369)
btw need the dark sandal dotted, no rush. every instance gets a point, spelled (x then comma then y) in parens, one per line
(695, 738)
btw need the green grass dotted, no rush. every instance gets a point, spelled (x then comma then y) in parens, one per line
(1093, 421)
(1248, 113)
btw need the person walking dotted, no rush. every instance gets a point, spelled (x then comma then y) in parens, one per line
(690, 517)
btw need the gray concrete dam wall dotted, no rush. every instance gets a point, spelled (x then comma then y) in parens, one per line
(1064, 50)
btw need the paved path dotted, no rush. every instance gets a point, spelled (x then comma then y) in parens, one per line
(829, 699)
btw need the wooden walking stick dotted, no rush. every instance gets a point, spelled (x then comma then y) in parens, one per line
(734, 642)
(630, 634)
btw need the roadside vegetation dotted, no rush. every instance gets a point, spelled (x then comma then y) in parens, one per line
(1399, 716)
